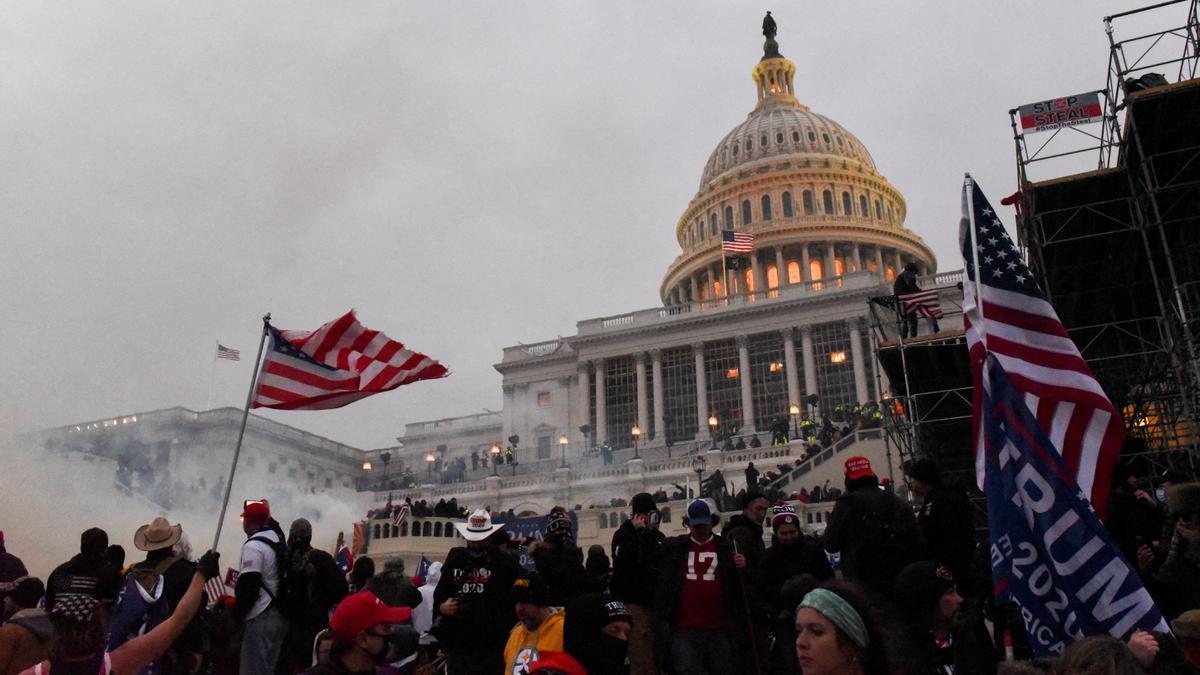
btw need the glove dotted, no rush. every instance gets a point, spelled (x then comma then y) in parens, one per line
(209, 565)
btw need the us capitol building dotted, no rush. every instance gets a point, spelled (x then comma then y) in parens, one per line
(656, 385)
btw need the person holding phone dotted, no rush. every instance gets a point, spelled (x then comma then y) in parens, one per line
(635, 550)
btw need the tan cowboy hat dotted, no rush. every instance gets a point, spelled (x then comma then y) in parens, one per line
(478, 527)
(158, 534)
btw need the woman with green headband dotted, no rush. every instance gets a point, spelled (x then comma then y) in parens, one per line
(838, 632)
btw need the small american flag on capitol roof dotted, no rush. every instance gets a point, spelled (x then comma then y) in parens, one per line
(737, 242)
(224, 352)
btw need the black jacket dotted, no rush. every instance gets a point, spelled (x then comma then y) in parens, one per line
(782, 563)
(949, 529)
(673, 565)
(906, 282)
(748, 535)
(561, 567)
(877, 535)
(91, 575)
(483, 587)
(635, 554)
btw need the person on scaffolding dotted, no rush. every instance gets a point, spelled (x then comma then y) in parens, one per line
(905, 284)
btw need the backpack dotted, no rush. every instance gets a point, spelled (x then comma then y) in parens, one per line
(140, 606)
(289, 598)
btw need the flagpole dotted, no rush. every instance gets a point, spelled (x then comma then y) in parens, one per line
(237, 450)
(969, 183)
(212, 376)
(724, 276)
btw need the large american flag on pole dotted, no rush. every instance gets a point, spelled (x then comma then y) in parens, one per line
(335, 365)
(1005, 313)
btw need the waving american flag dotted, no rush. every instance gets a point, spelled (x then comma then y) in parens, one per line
(1006, 314)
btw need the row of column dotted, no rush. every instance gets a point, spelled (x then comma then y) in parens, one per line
(688, 290)
(744, 378)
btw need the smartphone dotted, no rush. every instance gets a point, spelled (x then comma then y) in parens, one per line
(654, 518)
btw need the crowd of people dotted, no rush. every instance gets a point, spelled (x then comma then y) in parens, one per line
(886, 588)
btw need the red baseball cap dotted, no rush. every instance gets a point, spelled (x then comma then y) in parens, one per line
(858, 467)
(361, 611)
(556, 662)
(256, 511)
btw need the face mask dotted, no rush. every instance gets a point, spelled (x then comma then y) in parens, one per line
(610, 657)
(1161, 495)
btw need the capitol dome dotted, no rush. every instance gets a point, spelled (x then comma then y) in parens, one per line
(804, 189)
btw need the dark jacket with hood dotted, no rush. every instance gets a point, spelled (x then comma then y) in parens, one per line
(483, 586)
(560, 564)
(584, 638)
(748, 535)
(875, 532)
(635, 552)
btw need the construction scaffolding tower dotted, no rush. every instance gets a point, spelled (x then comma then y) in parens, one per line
(1116, 248)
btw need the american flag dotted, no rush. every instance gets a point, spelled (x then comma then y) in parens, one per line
(400, 514)
(224, 352)
(214, 588)
(335, 365)
(737, 242)
(921, 303)
(1012, 319)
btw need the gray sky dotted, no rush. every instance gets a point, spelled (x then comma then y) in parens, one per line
(467, 175)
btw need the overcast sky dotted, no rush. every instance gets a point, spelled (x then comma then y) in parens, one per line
(467, 174)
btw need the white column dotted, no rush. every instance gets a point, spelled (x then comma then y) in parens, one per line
(789, 365)
(714, 275)
(697, 285)
(755, 269)
(701, 390)
(810, 364)
(879, 263)
(781, 274)
(805, 270)
(743, 346)
(601, 413)
(585, 398)
(899, 263)
(643, 415)
(856, 355)
(510, 409)
(660, 413)
(855, 259)
(830, 267)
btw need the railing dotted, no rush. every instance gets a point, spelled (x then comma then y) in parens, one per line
(824, 455)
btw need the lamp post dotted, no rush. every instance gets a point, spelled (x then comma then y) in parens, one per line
(562, 450)
(366, 479)
(495, 457)
(430, 459)
(698, 467)
(713, 423)
(636, 432)
(795, 413)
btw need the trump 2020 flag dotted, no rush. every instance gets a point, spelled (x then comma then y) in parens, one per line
(335, 365)
(1050, 553)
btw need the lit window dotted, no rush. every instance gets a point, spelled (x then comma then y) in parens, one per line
(839, 267)
(793, 271)
(815, 269)
(891, 273)
(749, 279)
(731, 374)
(775, 367)
(772, 276)
(837, 357)
(543, 399)
(717, 288)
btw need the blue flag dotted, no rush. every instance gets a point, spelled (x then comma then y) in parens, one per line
(1050, 553)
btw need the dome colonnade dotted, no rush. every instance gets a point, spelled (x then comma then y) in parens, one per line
(805, 188)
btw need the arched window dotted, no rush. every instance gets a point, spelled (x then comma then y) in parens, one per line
(749, 274)
(863, 208)
(878, 210)
(827, 201)
(772, 276)
(815, 269)
(787, 205)
(603, 522)
(807, 198)
(766, 207)
(745, 211)
(762, 141)
(716, 289)
(375, 531)
(735, 150)
(793, 268)
(404, 529)
(712, 224)
(729, 217)
(437, 529)
(749, 144)
(847, 204)
(873, 266)
(426, 529)
(779, 138)
(612, 520)
(796, 136)
(891, 273)
(812, 137)
(449, 530)
(665, 514)
(839, 266)
(825, 137)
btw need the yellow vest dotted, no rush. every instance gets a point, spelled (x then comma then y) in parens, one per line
(524, 645)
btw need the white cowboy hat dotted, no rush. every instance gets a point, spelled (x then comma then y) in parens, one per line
(478, 526)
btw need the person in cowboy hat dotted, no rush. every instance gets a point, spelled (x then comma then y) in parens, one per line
(473, 603)
(142, 588)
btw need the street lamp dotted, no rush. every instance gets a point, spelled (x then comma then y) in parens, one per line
(713, 423)
(430, 458)
(495, 457)
(366, 467)
(795, 413)
(637, 432)
(562, 447)
(698, 467)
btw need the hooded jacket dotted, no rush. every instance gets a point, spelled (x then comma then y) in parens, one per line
(423, 613)
(24, 639)
(635, 552)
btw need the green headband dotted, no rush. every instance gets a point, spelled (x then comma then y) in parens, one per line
(840, 613)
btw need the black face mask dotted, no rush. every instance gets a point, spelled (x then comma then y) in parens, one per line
(608, 656)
